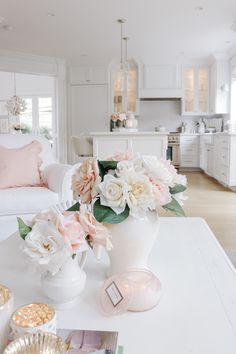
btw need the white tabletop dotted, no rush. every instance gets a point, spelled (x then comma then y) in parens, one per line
(197, 311)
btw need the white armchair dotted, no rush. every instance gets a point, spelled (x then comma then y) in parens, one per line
(31, 200)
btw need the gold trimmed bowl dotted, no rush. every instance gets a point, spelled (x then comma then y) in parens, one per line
(37, 343)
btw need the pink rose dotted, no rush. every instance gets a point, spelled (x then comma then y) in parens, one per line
(86, 180)
(161, 192)
(121, 156)
(70, 228)
(98, 234)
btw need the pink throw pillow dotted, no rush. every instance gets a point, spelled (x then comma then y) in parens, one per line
(20, 167)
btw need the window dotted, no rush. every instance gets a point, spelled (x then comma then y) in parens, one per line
(38, 117)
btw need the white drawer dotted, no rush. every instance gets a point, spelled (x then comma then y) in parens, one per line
(189, 161)
(190, 139)
(224, 142)
(188, 149)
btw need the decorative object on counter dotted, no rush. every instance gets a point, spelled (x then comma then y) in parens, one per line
(33, 318)
(160, 128)
(183, 127)
(52, 240)
(128, 193)
(201, 126)
(230, 126)
(131, 122)
(6, 308)
(37, 343)
(135, 290)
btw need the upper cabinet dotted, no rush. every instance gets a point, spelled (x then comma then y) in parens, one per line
(219, 87)
(85, 75)
(196, 91)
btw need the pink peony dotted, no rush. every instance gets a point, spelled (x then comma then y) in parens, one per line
(121, 156)
(161, 192)
(86, 180)
(98, 234)
(69, 226)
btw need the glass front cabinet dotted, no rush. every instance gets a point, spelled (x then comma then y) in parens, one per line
(124, 88)
(196, 91)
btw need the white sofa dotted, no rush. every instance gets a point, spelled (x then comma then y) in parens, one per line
(26, 201)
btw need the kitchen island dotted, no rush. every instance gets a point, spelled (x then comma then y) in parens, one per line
(106, 144)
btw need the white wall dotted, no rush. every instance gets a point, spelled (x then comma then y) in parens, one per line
(25, 85)
(167, 113)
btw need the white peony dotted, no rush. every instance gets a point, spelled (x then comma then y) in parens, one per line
(158, 170)
(46, 246)
(140, 197)
(124, 167)
(113, 193)
(180, 198)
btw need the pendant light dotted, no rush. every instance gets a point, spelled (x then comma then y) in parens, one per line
(15, 105)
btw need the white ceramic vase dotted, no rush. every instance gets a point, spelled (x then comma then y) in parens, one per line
(64, 287)
(133, 240)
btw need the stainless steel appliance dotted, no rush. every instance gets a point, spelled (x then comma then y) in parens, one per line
(173, 148)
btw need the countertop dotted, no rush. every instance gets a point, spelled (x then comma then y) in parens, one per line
(127, 133)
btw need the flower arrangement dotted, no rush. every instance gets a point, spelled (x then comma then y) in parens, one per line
(16, 105)
(51, 238)
(105, 192)
(123, 186)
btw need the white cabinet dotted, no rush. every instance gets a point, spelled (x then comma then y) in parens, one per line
(88, 108)
(196, 91)
(88, 75)
(108, 144)
(218, 159)
(219, 87)
(189, 150)
(162, 77)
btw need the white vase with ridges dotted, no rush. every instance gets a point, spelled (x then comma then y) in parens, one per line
(133, 240)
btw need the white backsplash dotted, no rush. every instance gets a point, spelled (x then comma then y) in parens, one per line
(166, 113)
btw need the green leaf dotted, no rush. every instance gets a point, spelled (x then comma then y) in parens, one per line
(178, 189)
(23, 228)
(175, 207)
(105, 166)
(105, 214)
(75, 207)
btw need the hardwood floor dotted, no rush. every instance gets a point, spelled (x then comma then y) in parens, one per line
(216, 204)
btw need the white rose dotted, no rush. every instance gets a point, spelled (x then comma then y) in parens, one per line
(113, 193)
(46, 246)
(140, 196)
(124, 167)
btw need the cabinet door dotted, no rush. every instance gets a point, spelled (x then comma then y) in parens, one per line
(196, 91)
(84, 75)
(88, 109)
(149, 146)
(189, 90)
(203, 90)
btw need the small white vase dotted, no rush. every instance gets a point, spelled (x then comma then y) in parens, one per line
(133, 240)
(64, 287)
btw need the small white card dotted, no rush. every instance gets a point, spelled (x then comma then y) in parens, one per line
(114, 294)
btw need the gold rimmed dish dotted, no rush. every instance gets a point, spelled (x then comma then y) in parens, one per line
(37, 343)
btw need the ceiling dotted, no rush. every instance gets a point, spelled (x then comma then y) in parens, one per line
(86, 31)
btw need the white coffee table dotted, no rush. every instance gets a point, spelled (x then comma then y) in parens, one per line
(197, 311)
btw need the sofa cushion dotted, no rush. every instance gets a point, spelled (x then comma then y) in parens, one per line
(20, 167)
(26, 200)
